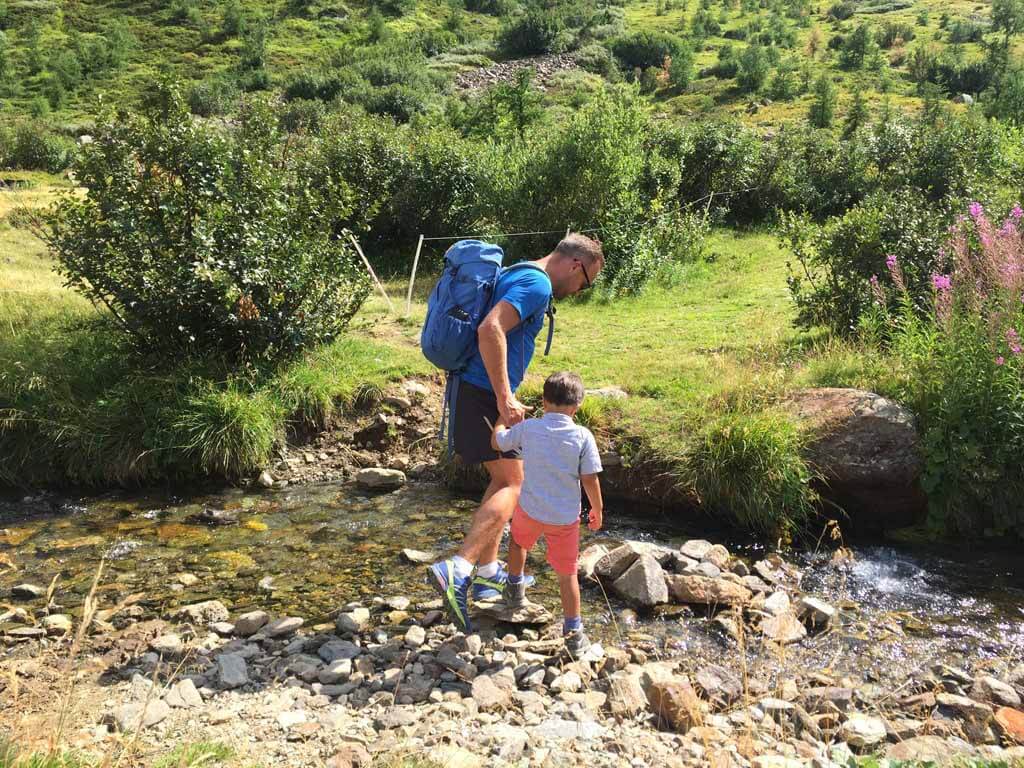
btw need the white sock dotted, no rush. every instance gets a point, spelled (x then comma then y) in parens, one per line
(462, 566)
(488, 571)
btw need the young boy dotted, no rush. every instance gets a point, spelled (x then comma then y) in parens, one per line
(558, 455)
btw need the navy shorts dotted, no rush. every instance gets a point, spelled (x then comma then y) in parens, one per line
(471, 434)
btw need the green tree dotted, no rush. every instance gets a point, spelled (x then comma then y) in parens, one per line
(857, 48)
(1008, 17)
(233, 19)
(753, 70)
(680, 71)
(1006, 100)
(5, 58)
(858, 114)
(823, 108)
(254, 46)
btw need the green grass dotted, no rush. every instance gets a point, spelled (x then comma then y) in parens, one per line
(204, 754)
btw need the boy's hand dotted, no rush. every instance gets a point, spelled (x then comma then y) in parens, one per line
(596, 519)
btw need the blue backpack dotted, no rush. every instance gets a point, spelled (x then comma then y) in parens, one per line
(463, 296)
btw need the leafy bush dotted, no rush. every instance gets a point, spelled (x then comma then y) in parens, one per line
(1006, 99)
(197, 240)
(842, 10)
(895, 33)
(31, 146)
(754, 67)
(838, 258)
(537, 30)
(645, 49)
(965, 375)
(598, 59)
(823, 107)
(492, 7)
(728, 63)
(961, 31)
(215, 96)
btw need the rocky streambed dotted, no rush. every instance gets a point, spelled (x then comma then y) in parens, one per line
(300, 631)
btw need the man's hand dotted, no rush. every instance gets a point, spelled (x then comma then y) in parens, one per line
(511, 411)
(596, 519)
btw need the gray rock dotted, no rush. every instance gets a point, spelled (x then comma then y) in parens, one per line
(28, 591)
(266, 480)
(869, 452)
(184, 695)
(704, 591)
(169, 646)
(569, 682)
(415, 636)
(588, 560)
(718, 556)
(56, 623)
(415, 388)
(611, 393)
(718, 685)
(232, 670)
(823, 698)
(203, 613)
(783, 628)
(492, 693)
(291, 718)
(708, 570)
(353, 622)
(212, 516)
(416, 557)
(530, 613)
(862, 731)
(626, 696)
(696, 548)
(380, 479)
(817, 613)
(249, 624)
(559, 729)
(337, 671)
(643, 583)
(283, 627)
(963, 707)
(925, 749)
(223, 628)
(136, 714)
(612, 565)
(995, 692)
(333, 650)
(777, 602)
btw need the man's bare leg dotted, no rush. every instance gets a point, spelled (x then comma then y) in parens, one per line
(499, 502)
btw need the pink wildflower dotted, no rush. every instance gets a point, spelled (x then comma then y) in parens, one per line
(1013, 339)
(975, 210)
(941, 282)
(890, 262)
(1000, 360)
(1017, 212)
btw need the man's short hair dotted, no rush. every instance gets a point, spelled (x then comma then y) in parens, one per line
(564, 388)
(577, 246)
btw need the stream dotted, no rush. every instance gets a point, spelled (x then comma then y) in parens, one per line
(308, 550)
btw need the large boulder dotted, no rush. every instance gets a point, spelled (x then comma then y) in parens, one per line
(705, 591)
(675, 703)
(643, 583)
(868, 452)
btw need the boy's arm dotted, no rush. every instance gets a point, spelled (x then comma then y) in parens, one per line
(592, 487)
(499, 427)
(510, 439)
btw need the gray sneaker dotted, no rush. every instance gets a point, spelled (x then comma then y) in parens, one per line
(576, 642)
(515, 594)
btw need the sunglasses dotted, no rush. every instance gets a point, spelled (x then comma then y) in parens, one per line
(585, 275)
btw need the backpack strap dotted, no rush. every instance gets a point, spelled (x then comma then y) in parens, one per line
(549, 310)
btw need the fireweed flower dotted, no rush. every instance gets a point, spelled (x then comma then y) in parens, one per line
(1017, 212)
(890, 262)
(975, 210)
(1013, 339)
(941, 282)
(1000, 360)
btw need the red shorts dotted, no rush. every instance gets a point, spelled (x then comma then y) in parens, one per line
(563, 540)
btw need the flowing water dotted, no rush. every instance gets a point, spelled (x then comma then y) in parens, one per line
(306, 551)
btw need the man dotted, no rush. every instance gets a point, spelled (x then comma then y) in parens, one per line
(486, 395)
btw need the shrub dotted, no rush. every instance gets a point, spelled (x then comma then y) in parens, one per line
(843, 10)
(753, 69)
(598, 59)
(857, 48)
(965, 375)
(198, 240)
(680, 70)
(728, 63)
(492, 7)
(1006, 100)
(537, 30)
(961, 31)
(645, 49)
(838, 258)
(33, 147)
(894, 33)
(232, 19)
(215, 96)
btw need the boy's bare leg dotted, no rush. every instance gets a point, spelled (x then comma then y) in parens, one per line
(569, 587)
(516, 559)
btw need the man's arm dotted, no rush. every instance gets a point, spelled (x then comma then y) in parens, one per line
(493, 343)
(592, 485)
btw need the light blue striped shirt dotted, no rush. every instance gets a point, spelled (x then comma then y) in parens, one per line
(556, 451)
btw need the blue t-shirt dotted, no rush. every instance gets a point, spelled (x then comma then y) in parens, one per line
(528, 290)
